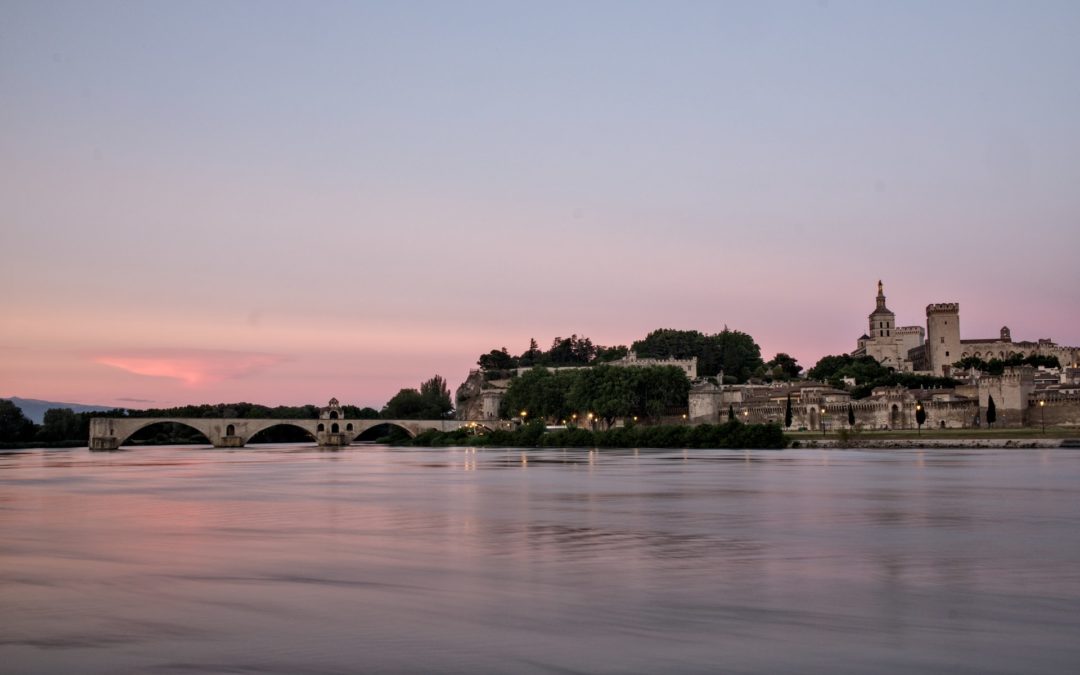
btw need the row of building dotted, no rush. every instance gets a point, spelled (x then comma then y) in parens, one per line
(1022, 395)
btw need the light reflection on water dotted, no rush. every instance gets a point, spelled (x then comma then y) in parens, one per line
(287, 559)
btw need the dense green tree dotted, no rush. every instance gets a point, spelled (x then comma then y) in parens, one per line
(658, 390)
(436, 395)
(530, 357)
(783, 367)
(869, 374)
(732, 351)
(997, 366)
(14, 425)
(611, 353)
(606, 391)
(920, 415)
(539, 392)
(834, 368)
(59, 424)
(969, 363)
(571, 351)
(497, 359)
(609, 392)
(828, 366)
(356, 413)
(407, 404)
(430, 402)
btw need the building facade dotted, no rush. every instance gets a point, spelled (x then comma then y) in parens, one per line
(905, 349)
(887, 343)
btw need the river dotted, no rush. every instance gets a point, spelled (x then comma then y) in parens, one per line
(292, 559)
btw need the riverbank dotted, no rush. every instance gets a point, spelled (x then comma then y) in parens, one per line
(939, 438)
(936, 443)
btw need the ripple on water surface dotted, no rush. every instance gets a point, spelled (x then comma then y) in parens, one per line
(288, 559)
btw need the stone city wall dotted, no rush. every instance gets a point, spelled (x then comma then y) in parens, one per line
(1059, 411)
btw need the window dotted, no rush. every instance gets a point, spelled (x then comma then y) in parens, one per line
(946, 352)
(942, 340)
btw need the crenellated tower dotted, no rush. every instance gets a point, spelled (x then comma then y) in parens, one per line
(942, 336)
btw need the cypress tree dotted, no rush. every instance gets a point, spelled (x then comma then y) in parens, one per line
(730, 413)
(850, 415)
(991, 412)
(787, 413)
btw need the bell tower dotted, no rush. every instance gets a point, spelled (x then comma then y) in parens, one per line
(882, 320)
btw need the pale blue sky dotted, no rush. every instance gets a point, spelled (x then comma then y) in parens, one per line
(393, 188)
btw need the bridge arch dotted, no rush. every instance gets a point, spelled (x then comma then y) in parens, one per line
(155, 422)
(380, 429)
(294, 433)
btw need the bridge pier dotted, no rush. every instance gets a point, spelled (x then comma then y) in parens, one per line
(228, 442)
(332, 439)
(104, 443)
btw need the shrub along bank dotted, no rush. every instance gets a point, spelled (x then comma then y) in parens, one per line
(534, 434)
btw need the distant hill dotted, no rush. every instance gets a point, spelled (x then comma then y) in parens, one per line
(35, 409)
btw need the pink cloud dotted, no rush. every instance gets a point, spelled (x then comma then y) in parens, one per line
(193, 367)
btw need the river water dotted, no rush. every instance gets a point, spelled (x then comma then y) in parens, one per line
(291, 559)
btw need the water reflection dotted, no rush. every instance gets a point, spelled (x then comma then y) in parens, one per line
(290, 559)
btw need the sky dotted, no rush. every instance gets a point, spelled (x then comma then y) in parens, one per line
(281, 202)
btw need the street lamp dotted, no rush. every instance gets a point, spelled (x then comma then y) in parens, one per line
(1042, 414)
(524, 414)
(920, 416)
(823, 420)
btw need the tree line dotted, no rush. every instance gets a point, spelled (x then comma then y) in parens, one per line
(731, 352)
(608, 392)
(997, 366)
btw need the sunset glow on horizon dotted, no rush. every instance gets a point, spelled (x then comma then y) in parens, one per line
(284, 202)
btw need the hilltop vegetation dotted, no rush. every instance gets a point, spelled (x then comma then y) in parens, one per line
(733, 352)
(868, 374)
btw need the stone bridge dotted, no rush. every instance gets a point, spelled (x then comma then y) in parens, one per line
(109, 433)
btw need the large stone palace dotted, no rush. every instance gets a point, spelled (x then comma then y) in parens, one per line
(905, 349)
(1022, 395)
